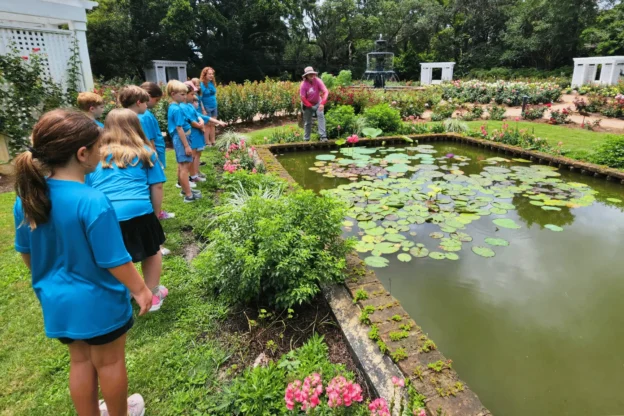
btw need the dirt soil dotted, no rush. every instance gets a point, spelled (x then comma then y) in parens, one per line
(286, 334)
(6, 183)
(263, 124)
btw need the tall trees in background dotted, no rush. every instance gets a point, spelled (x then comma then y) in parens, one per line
(251, 39)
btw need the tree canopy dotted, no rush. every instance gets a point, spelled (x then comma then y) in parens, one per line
(252, 39)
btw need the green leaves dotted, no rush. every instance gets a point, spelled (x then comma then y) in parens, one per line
(483, 251)
(553, 227)
(506, 223)
(499, 242)
(376, 261)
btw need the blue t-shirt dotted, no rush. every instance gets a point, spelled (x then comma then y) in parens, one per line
(151, 128)
(129, 188)
(197, 136)
(176, 118)
(70, 255)
(208, 95)
(99, 123)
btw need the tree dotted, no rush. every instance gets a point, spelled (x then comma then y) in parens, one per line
(606, 37)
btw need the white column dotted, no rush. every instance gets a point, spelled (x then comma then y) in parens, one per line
(577, 75)
(425, 74)
(80, 30)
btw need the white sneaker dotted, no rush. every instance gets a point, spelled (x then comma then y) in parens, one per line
(191, 183)
(165, 251)
(198, 179)
(136, 406)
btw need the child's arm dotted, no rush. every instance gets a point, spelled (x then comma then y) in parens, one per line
(128, 275)
(182, 135)
(217, 122)
(156, 196)
(197, 125)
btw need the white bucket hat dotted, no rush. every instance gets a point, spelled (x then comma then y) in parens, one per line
(309, 70)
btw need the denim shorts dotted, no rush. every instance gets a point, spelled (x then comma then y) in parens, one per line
(212, 112)
(178, 147)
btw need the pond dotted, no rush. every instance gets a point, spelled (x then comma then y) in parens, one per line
(513, 269)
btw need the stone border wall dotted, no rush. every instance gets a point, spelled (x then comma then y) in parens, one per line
(395, 333)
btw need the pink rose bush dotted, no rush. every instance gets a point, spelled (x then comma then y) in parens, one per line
(240, 156)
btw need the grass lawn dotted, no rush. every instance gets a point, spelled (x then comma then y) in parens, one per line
(257, 136)
(575, 140)
(173, 355)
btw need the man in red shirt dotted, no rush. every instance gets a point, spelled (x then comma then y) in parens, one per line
(313, 98)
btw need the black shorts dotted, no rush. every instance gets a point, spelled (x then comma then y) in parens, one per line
(103, 339)
(142, 236)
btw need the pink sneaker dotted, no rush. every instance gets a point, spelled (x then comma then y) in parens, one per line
(159, 298)
(164, 215)
(136, 406)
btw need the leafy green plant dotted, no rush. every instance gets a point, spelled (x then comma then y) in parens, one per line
(496, 112)
(396, 318)
(373, 334)
(406, 327)
(250, 181)
(360, 294)
(340, 121)
(384, 117)
(398, 335)
(371, 132)
(329, 80)
(437, 128)
(344, 78)
(534, 112)
(399, 354)
(440, 365)
(259, 391)
(285, 135)
(366, 313)
(454, 125)
(610, 153)
(359, 124)
(382, 346)
(429, 345)
(276, 250)
(442, 111)
(229, 137)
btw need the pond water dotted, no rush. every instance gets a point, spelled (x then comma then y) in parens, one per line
(534, 330)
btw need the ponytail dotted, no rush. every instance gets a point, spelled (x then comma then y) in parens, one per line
(32, 188)
(56, 138)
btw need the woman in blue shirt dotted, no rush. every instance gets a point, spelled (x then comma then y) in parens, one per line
(208, 101)
(130, 176)
(69, 237)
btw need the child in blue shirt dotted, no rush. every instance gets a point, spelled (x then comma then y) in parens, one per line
(208, 101)
(130, 175)
(179, 128)
(92, 105)
(69, 237)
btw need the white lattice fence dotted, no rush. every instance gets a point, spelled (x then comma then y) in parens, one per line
(53, 45)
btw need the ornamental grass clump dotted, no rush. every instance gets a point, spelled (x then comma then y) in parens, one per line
(276, 251)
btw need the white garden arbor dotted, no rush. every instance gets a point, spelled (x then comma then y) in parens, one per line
(48, 27)
(426, 72)
(603, 70)
(162, 72)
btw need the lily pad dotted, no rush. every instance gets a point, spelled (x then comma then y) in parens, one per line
(483, 251)
(436, 235)
(615, 200)
(463, 237)
(553, 227)
(419, 252)
(545, 208)
(395, 238)
(506, 223)
(367, 225)
(387, 248)
(452, 256)
(376, 261)
(497, 242)
(404, 257)
(376, 231)
(362, 247)
(437, 256)
(326, 157)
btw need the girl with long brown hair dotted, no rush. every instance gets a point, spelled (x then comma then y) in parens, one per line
(131, 176)
(208, 101)
(70, 239)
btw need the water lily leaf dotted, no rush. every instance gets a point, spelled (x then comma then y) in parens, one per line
(395, 238)
(404, 257)
(437, 256)
(376, 231)
(452, 256)
(407, 243)
(497, 242)
(448, 244)
(419, 252)
(463, 237)
(520, 160)
(367, 225)
(376, 261)
(503, 205)
(391, 231)
(368, 238)
(545, 208)
(347, 223)
(498, 211)
(447, 229)
(506, 223)
(326, 157)
(363, 247)
(483, 251)
(436, 235)
(553, 227)
(398, 168)
(538, 203)
(615, 200)
(387, 248)
(340, 142)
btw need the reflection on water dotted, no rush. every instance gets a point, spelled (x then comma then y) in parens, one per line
(535, 330)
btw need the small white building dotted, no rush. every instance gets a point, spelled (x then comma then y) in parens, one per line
(49, 28)
(426, 72)
(162, 72)
(603, 70)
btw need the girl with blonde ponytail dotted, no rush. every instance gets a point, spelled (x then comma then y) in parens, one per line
(69, 237)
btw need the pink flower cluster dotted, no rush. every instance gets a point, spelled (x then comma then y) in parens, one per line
(306, 393)
(398, 382)
(341, 391)
(379, 407)
(420, 412)
(230, 166)
(353, 139)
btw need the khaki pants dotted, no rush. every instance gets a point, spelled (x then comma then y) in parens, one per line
(307, 122)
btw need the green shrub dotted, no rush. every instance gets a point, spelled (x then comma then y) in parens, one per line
(344, 78)
(496, 112)
(534, 112)
(329, 80)
(343, 116)
(289, 134)
(228, 138)
(442, 111)
(276, 250)
(413, 127)
(312, 357)
(383, 117)
(610, 153)
(259, 391)
(250, 181)
(454, 125)
(437, 128)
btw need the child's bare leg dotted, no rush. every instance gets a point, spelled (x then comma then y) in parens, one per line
(183, 177)
(192, 168)
(207, 135)
(83, 381)
(212, 134)
(110, 362)
(152, 268)
(197, 161)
